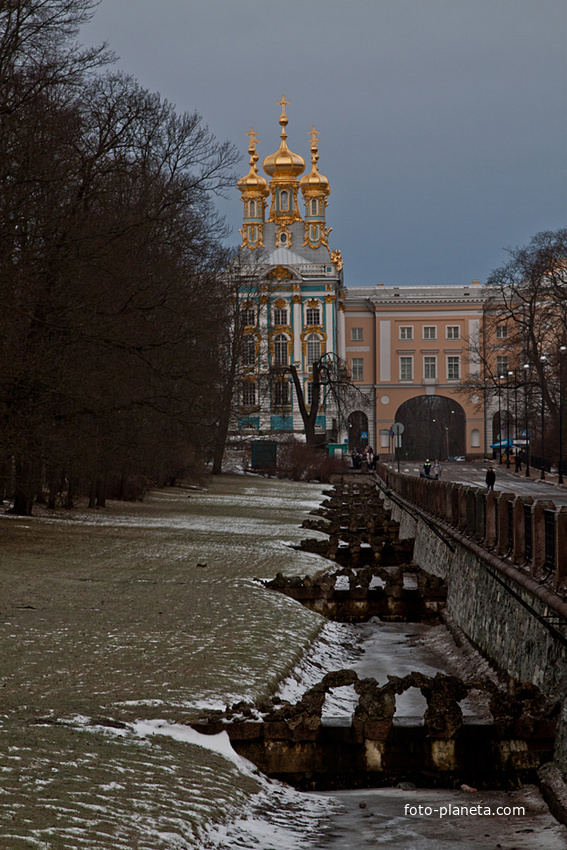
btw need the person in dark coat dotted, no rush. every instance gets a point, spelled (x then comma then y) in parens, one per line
(490, 478)
(427, 467)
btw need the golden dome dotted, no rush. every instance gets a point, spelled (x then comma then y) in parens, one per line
(253, 183)
(314, 183)
(284, 163)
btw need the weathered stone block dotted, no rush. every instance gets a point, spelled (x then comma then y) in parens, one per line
(377, 730)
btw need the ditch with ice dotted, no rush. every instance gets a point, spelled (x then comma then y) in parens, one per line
(121, 629)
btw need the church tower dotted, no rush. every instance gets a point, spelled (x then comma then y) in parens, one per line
(315, 190)
(291, 292)
(254, 190)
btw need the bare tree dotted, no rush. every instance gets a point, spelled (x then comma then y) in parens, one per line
(525, 325)
(330, 385)
(109, 257)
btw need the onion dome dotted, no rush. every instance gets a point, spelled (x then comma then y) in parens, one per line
(314, 183)
(284, 163)
(253, 184)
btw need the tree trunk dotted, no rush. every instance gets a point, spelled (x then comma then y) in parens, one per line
(219, 444)
(23, 491)
(101, 485)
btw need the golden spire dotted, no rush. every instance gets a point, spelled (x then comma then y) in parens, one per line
(253, 183)
(314, 183)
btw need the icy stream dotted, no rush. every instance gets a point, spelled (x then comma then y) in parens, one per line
(118, 626)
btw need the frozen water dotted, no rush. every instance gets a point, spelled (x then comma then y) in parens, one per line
(118, 627)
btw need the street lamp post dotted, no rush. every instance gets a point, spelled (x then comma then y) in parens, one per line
(515, 437)
(526, 370)
(508, 420)
(499, 419)
(562, 350)
(543, 361)
(515, 406)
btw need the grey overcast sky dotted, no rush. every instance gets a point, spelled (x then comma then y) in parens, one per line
(443, 123)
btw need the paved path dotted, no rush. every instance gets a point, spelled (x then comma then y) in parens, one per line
(506, 480)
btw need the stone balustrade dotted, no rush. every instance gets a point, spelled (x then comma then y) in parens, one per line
(530, 534)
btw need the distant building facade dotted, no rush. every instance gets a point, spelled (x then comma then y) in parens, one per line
(408, 349)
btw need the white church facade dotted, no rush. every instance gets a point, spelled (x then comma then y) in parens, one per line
(292, 299)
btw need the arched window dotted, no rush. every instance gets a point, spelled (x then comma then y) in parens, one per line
(314, 206)
(251, 209)
(284, 200)
(280, 350)
(313, 349)
(475, 438)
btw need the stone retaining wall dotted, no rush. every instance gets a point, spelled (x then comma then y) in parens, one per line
(495, 594)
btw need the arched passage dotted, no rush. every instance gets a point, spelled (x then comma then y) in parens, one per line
(434, 427)
(357, 430)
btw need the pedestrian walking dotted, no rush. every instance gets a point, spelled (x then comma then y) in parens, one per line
(490, 478)
(436, 470)
(427, 467)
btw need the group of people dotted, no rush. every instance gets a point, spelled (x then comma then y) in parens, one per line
(366, 455)
(432, 470)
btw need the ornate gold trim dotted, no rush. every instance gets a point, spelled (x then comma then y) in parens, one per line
(246, 243)
(279, 273)
(337, 259)
(288, 241)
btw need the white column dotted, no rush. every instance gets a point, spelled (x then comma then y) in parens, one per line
(341, 331)
(474, 348)
(297, 328)
(329, 328)
(385, 350)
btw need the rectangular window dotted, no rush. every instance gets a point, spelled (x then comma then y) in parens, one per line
(281, 395)
(309, 392)
(313, 316)
(313, 349)
(248, 351)
(357, 369)
(453, 368)
(280, 350)
(430, 332)
(356, 334)
(502, 331)
(453, 332)
(249, 394)
(280, 316)
(406, 368)
(429, 367)
(248, 316)
(406, 332)
(501, 366)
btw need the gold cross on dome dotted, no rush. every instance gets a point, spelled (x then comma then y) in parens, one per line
(254, 140)
(283, 103)
(315, 136)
